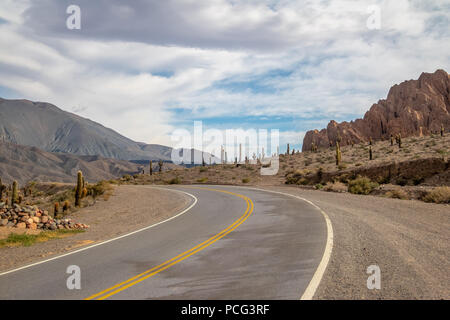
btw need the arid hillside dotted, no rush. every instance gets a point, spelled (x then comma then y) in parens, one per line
(417, 167)
(25, 164)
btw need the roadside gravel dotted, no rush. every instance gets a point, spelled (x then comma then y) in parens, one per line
(128, 209)
(409, 240)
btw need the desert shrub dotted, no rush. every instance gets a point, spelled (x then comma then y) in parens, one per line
(342, 166)
(175, 180)
(246, 180)
(418, 180)
(361, 185)
(336, 186)
(438, 195)
(318, 186)
(402, 181)
(99, 189)
(127, 177)
(203, 169)
(397, 194)
(202, 180)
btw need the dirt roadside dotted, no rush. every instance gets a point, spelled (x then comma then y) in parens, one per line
(409, 240)
(128, 209)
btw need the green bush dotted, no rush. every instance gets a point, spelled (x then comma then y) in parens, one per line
(245, 180)
(361, 185)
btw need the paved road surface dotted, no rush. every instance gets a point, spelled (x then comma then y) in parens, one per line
(235, 243)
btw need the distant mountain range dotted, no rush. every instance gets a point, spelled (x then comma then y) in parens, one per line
(23, 163)
(39, 141)
(412, 108)
(43, 125)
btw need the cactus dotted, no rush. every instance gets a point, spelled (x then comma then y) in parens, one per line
(293, 151)
(160, 163)
(2, 188)
(151, 168)
(338, 153)
(370, 141)
(287, 152)
(66, 206)
(84, 193)
(79, 189)
(392, 140)
(370, 153)
(399, 141)
(55, 209)
(442, 130)
(14, 195)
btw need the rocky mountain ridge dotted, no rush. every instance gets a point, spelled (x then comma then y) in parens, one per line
(412, 108)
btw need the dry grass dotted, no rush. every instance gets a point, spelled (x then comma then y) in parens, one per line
(397, 194)
(336, 186)
(438, 195)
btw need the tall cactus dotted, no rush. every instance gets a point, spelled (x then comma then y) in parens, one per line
(15, 193)
(2, 187)
(370, 153)
(392, 140)
(442, 130)
(287, 152)
(160, 163)
(399, 140)
(338, 153)
(151, 167)
(79, 189)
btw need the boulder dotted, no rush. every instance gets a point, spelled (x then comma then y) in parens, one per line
(21, 225)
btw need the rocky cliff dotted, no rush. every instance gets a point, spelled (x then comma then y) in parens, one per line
(414, 107)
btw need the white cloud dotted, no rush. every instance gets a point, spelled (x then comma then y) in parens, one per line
(129, 66)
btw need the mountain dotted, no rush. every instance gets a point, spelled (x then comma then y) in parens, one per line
(24, 164)
(51, 129)
(412, 108)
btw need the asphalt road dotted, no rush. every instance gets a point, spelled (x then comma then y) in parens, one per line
(234, 243)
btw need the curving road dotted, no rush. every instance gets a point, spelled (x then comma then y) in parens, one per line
(232, 243)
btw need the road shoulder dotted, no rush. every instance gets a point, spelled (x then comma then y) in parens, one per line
(408, 240)
(129, 209)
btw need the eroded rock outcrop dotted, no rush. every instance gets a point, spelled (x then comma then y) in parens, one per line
(414, 107)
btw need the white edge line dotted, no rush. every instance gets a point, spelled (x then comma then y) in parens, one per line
(117, 238)
(318, 275)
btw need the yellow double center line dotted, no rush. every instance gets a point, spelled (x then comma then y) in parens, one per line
(169, 263)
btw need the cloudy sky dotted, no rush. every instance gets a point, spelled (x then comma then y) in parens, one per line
(148, 67)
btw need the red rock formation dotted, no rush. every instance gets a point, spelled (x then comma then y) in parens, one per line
(414, 107)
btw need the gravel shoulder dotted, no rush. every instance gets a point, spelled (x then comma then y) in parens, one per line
(128, 209)
(409, 240)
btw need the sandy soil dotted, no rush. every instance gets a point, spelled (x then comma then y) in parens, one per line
(409, 240)
(130, 208)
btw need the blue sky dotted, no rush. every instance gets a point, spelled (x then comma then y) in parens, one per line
(147, 68)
